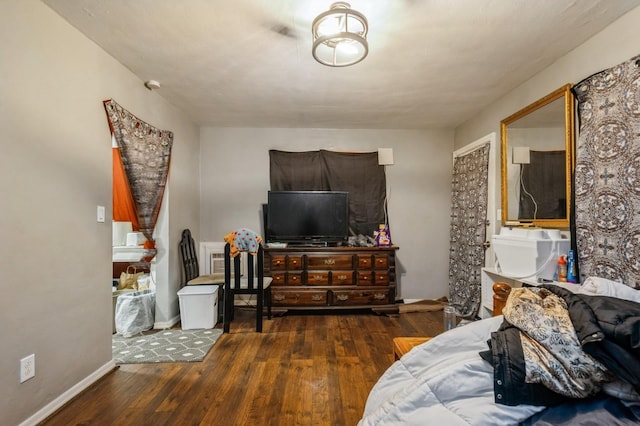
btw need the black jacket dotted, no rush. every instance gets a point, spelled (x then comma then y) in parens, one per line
(608, 329)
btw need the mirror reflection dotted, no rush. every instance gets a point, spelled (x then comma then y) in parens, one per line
(536, 159)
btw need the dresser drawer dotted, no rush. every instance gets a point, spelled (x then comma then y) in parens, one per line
(364, 261)
(360, 297)
(286, 278)
(279, 278)
(365, 278)
(381, 261)
(294, 262)
(316, 261)
(294, 278)
(381, 278)
(318, 277)
(278, 262)
(342, 278)
(298, 298)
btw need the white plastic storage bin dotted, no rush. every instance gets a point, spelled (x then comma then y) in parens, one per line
(198, 306)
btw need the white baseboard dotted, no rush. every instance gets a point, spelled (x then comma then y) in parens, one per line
(67, 396)
(166, 324)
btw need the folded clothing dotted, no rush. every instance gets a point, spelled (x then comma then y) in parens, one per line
(241, 240)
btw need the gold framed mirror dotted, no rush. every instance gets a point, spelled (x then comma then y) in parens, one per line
(537, 160)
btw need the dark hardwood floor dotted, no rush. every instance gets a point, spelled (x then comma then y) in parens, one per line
(304, 369)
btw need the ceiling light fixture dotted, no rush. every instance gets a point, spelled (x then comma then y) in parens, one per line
(340, 36)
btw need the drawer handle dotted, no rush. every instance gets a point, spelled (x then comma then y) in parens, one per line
(365, 261)
(343, 297)
(381, 277)
(295, 278)
(380, 261)
(278, 297)
(277, 262)
(379, 296)
(342, 277)
(316, 297)
(294, 262)
(364, 277)
(329, 261)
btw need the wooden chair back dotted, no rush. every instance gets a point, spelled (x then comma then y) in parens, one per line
(253, 283)
(189, 256)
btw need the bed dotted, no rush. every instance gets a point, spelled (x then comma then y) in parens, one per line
(446, 381)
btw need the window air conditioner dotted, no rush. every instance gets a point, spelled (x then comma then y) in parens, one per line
(212, 255)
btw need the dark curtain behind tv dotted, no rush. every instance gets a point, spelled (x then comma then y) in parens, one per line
(356, 173)
(540, 178)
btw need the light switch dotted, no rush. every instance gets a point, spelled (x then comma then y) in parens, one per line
(100, 214)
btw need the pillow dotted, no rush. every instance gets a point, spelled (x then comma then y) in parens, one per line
(597, 286)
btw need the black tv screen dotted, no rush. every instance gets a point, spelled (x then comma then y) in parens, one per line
(307, 217)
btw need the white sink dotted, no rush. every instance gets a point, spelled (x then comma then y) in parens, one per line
(127, 253)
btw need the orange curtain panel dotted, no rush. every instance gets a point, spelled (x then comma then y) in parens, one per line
(124, 210)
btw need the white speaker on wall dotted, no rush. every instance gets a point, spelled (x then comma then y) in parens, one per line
(385, 156)
(521, 155)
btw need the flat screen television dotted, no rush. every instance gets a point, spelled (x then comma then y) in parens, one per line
(307, 217)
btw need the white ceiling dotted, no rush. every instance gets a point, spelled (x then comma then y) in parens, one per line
(248, 63)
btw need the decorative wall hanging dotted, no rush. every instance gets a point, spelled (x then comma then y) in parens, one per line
(607, 175)
(468, 230)
(146, 154)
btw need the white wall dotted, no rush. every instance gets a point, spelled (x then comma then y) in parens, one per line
(55, 168)
(613, 45)
(235, 181)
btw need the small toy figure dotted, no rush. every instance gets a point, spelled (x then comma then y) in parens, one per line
(382, 235)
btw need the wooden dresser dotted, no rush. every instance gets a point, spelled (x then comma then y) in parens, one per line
(330, 278)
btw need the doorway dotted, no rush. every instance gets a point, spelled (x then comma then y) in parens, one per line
(473, 221)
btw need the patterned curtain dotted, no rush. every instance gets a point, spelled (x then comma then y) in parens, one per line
(607, 183)
(146, 153)
(468, 230)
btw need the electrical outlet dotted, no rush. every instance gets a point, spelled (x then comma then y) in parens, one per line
(27, 367)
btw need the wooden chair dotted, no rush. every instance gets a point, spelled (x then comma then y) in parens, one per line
(190, 264)
(255, 283)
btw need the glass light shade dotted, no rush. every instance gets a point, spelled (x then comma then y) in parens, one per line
(340, 36)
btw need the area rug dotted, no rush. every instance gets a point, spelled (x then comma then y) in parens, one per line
(164, 346)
